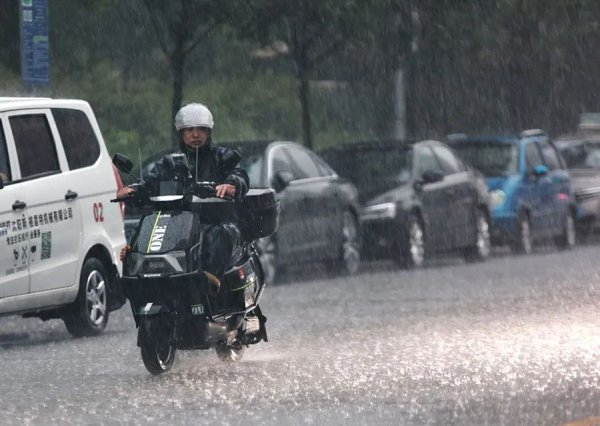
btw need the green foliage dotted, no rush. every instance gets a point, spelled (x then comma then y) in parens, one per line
(471, 65)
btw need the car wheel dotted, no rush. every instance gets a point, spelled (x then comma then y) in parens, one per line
(524, 242)
(348, 262)
(482, 247)
(269, 255)
(88, 315)
(567, 238)
(412, 249)
(230, 353)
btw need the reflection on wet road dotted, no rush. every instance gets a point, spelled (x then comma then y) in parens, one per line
(514, 340)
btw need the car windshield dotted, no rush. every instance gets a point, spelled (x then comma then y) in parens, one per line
(373, 171)
(582, 155)
(490, 158)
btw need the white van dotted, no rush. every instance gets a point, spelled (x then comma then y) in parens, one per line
(60, 236)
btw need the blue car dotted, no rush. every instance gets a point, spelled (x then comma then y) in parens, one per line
(529, 186)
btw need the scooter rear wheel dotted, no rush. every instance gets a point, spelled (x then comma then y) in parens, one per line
(157, 349)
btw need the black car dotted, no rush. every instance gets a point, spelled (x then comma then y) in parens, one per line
(417, 198)
(582, 156)
(319, 218)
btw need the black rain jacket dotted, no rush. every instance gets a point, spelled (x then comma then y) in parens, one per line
(210, 168)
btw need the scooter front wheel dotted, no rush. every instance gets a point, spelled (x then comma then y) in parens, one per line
(157, 348)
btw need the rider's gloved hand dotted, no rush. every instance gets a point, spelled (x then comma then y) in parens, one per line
(225, 190)
(124, 191)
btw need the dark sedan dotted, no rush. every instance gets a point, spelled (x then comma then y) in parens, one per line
(319, 218)
(583, 161)
(417, 198)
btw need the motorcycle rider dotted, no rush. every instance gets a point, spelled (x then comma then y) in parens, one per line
(194, 123)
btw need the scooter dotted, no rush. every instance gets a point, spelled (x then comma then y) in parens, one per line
(175, 304)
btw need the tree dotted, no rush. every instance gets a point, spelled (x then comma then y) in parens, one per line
(311, 31)
(180, 26)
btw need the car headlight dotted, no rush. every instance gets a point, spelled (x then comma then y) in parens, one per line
(379, 211)
(497, 197)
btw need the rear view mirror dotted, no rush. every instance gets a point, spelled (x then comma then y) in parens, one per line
(281, 180)
(540, 170)
(1, 180)
(122, 163)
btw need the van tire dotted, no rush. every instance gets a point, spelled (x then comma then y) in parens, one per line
(88, 315)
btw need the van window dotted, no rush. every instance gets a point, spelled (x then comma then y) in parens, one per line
(4, 164)
(35, 144)
(78, 138)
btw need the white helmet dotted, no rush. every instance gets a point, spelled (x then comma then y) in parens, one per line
(193, 115)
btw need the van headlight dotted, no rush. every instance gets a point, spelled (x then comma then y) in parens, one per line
(379, 211)
(497, 197)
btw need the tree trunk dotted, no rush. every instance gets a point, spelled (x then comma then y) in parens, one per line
(399, 105)
(304, 92)
(177, 67)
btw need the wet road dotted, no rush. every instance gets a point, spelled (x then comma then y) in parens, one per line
(515, 340)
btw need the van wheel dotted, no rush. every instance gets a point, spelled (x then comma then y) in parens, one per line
(412, 248)
(481, 249)
(88, 315)
(524, 242)
(566, 240)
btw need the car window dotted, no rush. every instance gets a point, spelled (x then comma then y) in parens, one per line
(281, 163)
(78, 138)
(253, 164)
(532, 156)
(5, 172)
(374, 170)
(35, 145)
(550, 156)
(448, 161)
(305, 165)
(490, 158)
(426, 161)
(324, 169)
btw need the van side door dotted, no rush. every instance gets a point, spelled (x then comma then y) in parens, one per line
(14, 232)
(53, 213)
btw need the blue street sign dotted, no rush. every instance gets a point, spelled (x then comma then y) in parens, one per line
(35, 45)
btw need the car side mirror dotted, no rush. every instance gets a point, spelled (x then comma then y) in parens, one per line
(431, 176)
(281, 180)
(1, 180)
(540, 170)
(122, 163)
